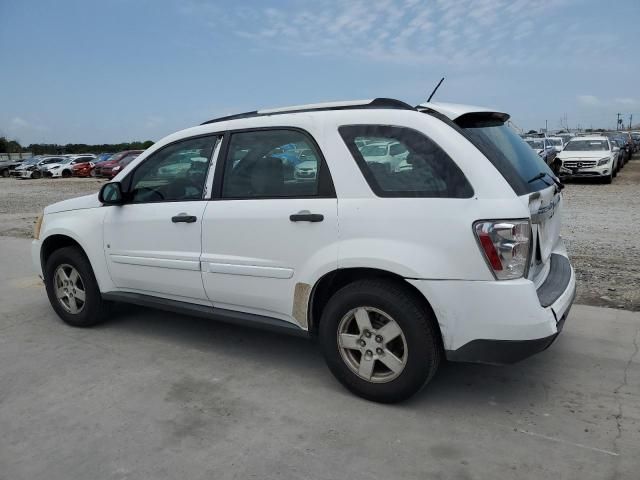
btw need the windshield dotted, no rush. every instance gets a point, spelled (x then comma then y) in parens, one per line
(509, 153)
(555, 142)
(374, 150)
(586, 145)
(536, 144)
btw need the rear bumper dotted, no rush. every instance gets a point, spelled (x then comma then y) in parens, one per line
(500, 322)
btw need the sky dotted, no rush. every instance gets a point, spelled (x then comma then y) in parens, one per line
(102, 71)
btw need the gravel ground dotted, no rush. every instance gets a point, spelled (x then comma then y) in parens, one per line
(21, 201)
(601, 226)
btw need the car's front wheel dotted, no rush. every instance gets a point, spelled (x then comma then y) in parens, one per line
(72, 288)
(379, 340)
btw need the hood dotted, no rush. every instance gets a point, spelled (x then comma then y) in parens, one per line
(78, 203)
(592, 155)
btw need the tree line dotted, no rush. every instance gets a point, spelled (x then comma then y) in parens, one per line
(13, 146)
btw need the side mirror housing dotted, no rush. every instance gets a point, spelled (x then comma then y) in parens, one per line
(111, 194)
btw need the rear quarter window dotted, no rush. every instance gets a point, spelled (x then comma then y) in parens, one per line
(402, 162)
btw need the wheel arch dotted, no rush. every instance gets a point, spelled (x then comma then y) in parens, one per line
(333, 281)
(55, 242)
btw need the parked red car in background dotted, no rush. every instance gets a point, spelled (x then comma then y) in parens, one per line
(112, 167)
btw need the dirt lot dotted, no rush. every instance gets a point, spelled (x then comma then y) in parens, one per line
(601, 227)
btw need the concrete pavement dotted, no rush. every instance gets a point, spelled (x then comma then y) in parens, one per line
(156, 395)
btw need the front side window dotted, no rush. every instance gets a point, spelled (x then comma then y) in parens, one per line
(175, 173)
(274, 163)
(402, 162)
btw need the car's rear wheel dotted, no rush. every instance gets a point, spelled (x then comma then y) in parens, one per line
(5, 173)
(36, 174)
(72, 288)
(379, 340)
(66, 173)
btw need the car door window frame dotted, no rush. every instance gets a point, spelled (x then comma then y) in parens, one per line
(326, 187)
(126, 182)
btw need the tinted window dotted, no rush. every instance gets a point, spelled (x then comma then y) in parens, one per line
(401, 162)
(271, 163)
(176, 172)
(513, 158)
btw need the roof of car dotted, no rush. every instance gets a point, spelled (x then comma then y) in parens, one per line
(384, 103)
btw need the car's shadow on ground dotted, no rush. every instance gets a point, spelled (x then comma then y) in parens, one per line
(455, 383)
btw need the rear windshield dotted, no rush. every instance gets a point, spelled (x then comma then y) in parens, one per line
(586, 145)
(513, 158)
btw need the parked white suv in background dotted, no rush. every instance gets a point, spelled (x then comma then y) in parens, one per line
(457, 255)
(592, 156)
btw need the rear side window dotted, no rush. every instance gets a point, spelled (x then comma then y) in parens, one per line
(274, 163)
(402, 162)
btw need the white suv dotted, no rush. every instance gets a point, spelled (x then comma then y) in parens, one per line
(456, 255)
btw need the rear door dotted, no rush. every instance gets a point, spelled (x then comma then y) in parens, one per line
(268, 230)
(153, 242)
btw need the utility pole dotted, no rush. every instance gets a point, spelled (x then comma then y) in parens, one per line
(546, 128)
(630, 119)
(618, 122)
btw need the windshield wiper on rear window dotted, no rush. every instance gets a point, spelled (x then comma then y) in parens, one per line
(541, 176)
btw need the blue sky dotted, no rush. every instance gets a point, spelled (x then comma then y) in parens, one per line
(118, 70)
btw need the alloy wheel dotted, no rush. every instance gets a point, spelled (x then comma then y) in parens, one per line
(69, 288)
(372, 344)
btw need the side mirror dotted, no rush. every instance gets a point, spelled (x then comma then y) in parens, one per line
(111, 194)
(616, 149)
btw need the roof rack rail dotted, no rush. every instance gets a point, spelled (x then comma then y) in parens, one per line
(389, 103)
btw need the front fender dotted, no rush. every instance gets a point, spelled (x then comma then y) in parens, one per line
(85, 227)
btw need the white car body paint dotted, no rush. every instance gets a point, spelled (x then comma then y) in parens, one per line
(245, 255)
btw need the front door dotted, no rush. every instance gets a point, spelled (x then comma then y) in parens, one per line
(153, 241)
(271, 227)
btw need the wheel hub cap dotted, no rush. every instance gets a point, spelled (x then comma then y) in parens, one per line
(69, 288)
(372, 344)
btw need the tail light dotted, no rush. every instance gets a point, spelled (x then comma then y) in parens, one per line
(505, 245)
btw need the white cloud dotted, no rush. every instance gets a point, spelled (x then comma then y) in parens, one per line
(589, 100)
(463, 33)
(18, 123)
(628, 102)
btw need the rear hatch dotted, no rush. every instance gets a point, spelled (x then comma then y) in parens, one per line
(528, 174)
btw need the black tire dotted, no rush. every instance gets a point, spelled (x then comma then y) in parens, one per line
(5, 173)
(36, 174)
(66, 174)
(94, 309)
(419, 330)
(608, 179)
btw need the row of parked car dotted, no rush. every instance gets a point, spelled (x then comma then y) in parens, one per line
(601, 155)
(105, 165)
